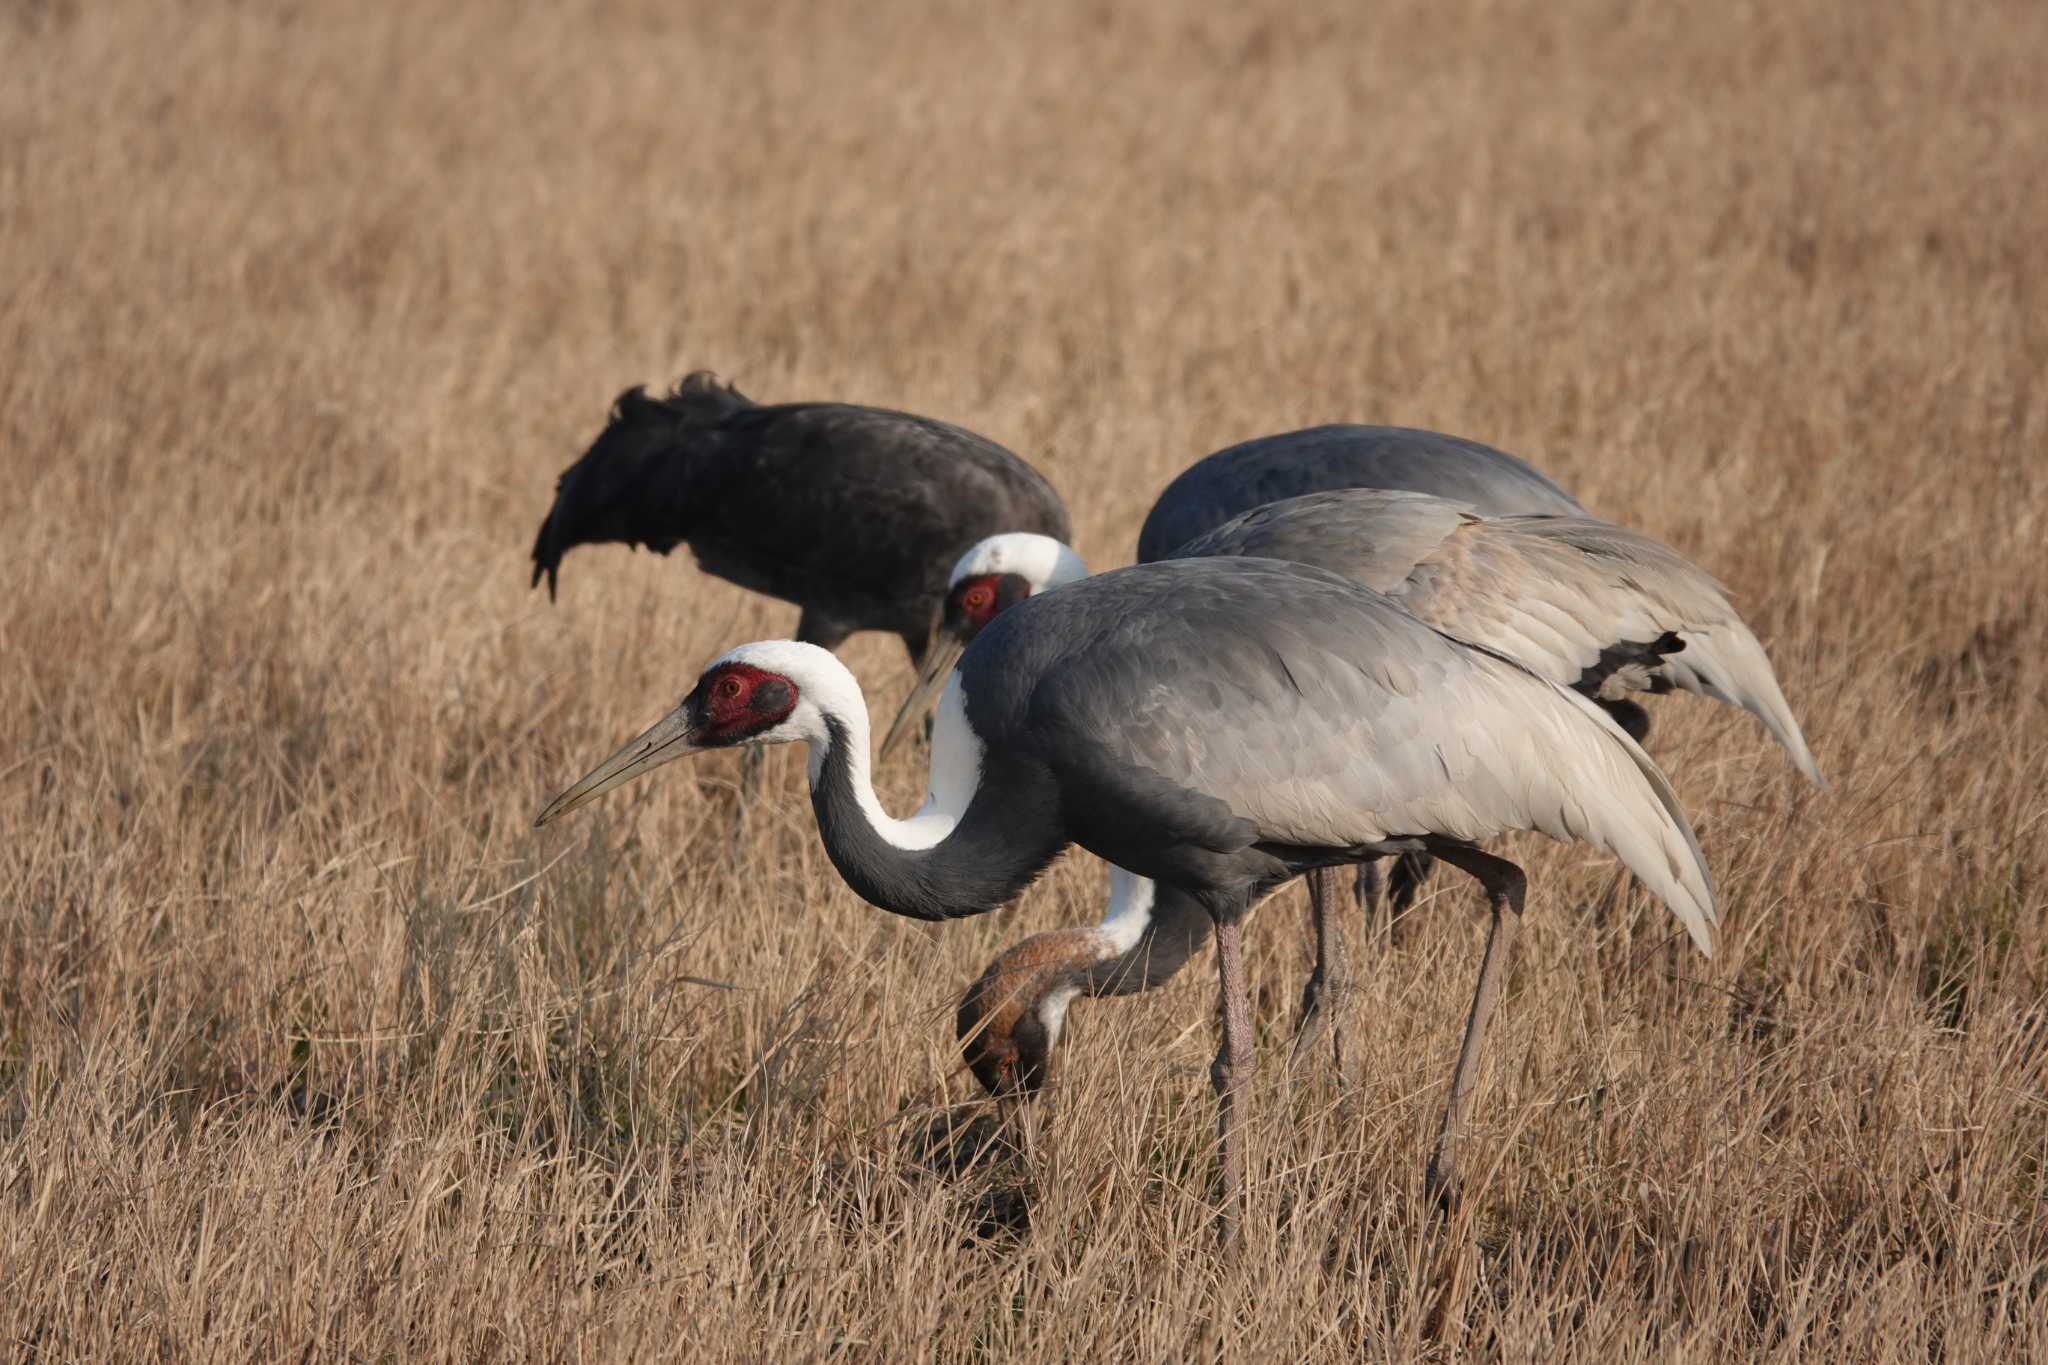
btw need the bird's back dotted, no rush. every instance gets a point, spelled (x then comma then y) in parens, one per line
(862, 506)
(1240, 477)
(1372, 536)
(857, 510)
(1204, 715)
(1557, 594)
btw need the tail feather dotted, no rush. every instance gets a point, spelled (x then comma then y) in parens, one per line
(1728, 664)
(1653, 838)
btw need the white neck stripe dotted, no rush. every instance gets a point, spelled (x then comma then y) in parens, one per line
(1128, 912)
(825, 689)
(955, 774)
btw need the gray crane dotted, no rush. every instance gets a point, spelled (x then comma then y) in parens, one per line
(1218, 727)
(1587, 604)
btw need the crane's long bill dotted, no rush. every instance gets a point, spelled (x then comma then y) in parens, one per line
(938, 666)
(670, 738)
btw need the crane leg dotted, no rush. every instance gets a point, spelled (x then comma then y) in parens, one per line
(1400, 885)
(1230, 1074)
(1325, 1000)
(1505, 888)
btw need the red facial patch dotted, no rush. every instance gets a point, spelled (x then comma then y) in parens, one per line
(738, 700)
(977, 598)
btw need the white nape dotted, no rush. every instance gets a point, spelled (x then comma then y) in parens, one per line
(1039, 560)
(1052, 1012)
(826, 689)
(1128, 912)
(1123, 924)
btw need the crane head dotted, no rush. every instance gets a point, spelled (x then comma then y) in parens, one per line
(631, 486)
(1004, 1041)
(1010, 1019)
(989, 579)
(771, 692)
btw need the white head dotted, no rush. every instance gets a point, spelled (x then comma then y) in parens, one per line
(995, 575)
(1040, 561)
(768, 692)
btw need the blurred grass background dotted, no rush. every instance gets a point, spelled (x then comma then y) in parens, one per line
(309, 1045)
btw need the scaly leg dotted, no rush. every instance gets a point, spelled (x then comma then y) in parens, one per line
(1230, 1074)
(1505, 887)
(1325, 999)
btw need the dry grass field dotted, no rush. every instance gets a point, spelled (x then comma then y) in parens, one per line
(311, 1047)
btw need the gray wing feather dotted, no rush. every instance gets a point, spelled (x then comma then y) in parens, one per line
(1374, 536)
(1279, 703)
(1558, 593)
(1252, 473)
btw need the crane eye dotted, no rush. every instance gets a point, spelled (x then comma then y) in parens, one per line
(729, 688)
(978, 597)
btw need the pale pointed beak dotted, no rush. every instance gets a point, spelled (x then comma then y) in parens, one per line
(670, 738)
(938, 666)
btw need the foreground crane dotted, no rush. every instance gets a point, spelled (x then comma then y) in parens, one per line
(1587, 604)
(1217, 726)
(1266, 469)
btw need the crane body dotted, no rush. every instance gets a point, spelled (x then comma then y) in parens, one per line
(1216, 726)
(1587, 604)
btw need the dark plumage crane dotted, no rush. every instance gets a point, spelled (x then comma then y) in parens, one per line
(1217, 726)
(1587, 604)
(852, 513)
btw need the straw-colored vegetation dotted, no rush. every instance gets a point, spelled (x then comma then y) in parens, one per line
(309, 1045)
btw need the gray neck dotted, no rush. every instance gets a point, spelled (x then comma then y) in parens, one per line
(1176, 927)
(1008, 833)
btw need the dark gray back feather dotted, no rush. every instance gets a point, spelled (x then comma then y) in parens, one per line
(1270, 468)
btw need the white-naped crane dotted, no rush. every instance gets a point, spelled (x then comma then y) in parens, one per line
(1216, 726)
(852, 513)
(1589, 605)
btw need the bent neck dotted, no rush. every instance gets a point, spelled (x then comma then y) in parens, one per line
(984, 833)
(1147, 934)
